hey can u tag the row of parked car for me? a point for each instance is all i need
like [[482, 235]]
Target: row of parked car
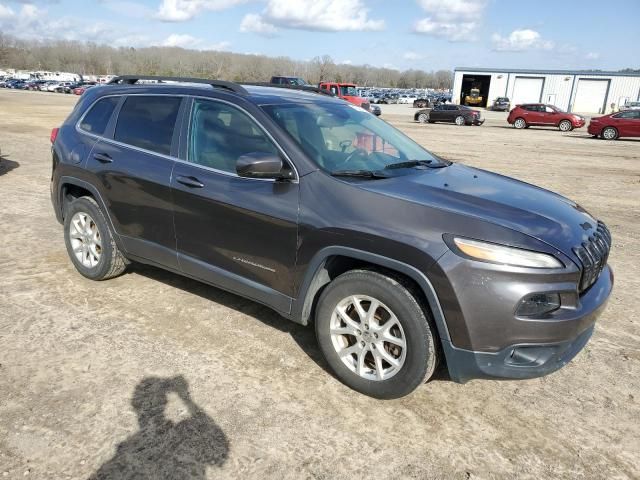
[[625, 123], [77, 88]]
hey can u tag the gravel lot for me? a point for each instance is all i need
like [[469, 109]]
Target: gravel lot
[[154, 374]]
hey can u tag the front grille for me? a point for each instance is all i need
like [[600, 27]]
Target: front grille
[[593, 254]]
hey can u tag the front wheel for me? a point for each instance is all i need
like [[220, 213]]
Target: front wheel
[[459, 120], [423, 118], [375, 335], [609, 133], [565, 126]]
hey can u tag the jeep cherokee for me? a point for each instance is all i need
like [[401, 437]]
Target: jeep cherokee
[[328, 215]]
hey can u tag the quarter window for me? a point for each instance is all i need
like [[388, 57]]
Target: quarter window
[[148, 122], [220, 134], [97, 119]]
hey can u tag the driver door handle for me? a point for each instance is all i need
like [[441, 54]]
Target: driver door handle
[[191, 182], [103, 157]]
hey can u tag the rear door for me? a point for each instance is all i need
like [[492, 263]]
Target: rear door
[[533, 114], [133, 165], [237, 233]]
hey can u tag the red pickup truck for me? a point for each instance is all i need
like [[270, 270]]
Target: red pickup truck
[[346, 91]]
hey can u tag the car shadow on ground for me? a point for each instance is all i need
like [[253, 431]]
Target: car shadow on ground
[[162, 447], [303, 336], [7, 165]]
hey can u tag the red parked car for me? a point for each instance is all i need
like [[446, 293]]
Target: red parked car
[[80, 90], [616, 125], [523, 116]]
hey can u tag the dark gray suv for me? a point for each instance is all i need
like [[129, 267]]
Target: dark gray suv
[[328, 215]]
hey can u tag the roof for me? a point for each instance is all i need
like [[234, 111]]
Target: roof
[[257, 94], [545, 72]]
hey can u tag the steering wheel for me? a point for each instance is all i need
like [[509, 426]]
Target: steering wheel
[[358, 152]]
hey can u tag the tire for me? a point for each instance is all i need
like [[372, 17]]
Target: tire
[[423, 118], [459, 120], [520, 123], [85, 223], [609, 133], [565, 126], [415, 362]]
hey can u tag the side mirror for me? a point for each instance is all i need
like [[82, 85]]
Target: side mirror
[[262, 165]]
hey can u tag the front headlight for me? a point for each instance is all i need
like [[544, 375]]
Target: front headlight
[[503, 255]]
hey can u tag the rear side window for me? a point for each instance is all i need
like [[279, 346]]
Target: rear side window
[[97, 118], [148, 122]]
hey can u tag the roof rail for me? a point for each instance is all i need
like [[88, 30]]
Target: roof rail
[[304, 88], [132, 79]]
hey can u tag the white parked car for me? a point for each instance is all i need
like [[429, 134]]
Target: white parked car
[[631, 106], [407, 99]]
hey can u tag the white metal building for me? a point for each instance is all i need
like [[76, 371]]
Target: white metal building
[[584, 92]]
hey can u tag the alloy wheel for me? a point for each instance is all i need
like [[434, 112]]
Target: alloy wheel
[[85, 239], [368, 337]]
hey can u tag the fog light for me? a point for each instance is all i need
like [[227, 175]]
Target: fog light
[[538, 304]]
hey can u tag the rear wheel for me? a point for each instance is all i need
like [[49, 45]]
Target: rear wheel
[[89, 242], [609, 133], [459, 120], [423, 118], [565, 126], [520, 123], [375, 335]]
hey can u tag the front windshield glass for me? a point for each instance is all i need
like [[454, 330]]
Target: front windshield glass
[[348, 91], [345, 137]]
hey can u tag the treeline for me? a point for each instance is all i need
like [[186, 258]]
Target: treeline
[[91, 58]]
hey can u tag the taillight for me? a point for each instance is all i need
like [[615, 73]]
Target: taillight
[[54, 134]]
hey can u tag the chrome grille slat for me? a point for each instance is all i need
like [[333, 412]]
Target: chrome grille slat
[[593, 255]]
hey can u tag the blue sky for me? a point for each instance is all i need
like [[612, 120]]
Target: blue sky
[[426, 34]]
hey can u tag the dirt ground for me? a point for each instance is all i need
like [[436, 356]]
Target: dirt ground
[[154, 374]]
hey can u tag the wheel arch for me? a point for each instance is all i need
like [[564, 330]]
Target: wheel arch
[[70, 188], [330, 262]]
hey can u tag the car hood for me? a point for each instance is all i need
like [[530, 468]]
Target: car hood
[[510, 203]]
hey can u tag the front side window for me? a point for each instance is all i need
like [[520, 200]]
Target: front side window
[[148, 122], [221, 133], [345, 137], [97, 119]]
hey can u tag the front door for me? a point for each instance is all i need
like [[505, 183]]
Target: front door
[[237, 233]]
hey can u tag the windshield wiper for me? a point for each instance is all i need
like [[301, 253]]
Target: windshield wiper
[[409, 164], [359, 173]]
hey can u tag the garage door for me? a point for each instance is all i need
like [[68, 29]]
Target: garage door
[[527, 90], [590, 96]]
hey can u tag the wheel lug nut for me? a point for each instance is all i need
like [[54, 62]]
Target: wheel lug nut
[[358, 332], [373, 346], [375, 335], [362, 344], [366, 327]]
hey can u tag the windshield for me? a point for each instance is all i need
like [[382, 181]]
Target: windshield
[[348, 90], [345, 137]]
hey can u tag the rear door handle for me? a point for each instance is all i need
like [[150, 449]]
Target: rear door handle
[[103, 157], [191, 182]]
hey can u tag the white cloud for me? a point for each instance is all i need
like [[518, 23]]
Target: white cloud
[[254, 23], [189, 41], [183, 10], [412, 56], [181, 40], [346, 62], [455, 20], [6, 13], [592, 56], [520, 40], [315, 15]]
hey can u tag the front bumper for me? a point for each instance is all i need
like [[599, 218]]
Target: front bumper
[[579, 124], [486, 339]]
